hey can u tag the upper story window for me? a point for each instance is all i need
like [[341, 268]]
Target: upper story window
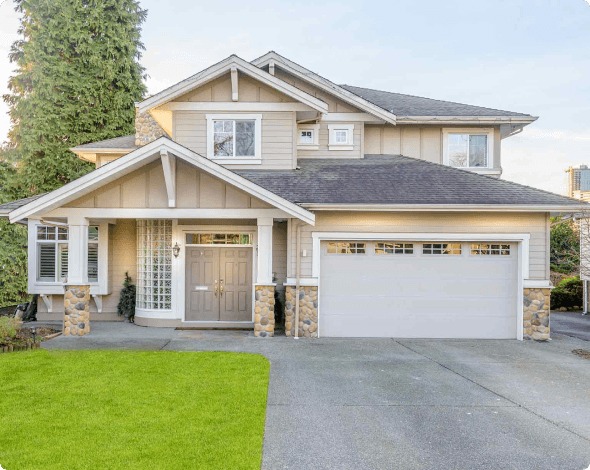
[[468, 148], [341, 136], [309, 138], [234, 138], [52, 254]]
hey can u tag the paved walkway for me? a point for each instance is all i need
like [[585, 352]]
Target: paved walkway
[[403, 404], [571, 324]]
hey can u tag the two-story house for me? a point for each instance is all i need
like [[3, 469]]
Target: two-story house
[[371, 213]]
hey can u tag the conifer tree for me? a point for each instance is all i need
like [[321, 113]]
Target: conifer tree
[[76, 79]]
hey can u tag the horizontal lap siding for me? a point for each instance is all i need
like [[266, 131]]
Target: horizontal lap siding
[[190, 130], [534, 224]]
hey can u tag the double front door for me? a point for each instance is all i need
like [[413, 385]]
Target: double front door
[[218, 284]]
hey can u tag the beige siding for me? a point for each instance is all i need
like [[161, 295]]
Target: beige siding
[[425, 143], [146, 188], [534, 224], [190, 130], [325, 152]]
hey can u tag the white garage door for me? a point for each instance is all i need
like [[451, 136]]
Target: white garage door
[[418, 289]]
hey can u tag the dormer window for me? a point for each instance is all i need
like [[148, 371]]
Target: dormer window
[[308, 136], [468, 148], [234, 138], [341, 136]]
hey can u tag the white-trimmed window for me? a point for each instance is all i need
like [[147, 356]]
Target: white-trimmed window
[[490, 249], [393, 248], [341, 136], [52, 253], [308, 136], [234, 138], [154, 264], [441, 248], [348, 248], [468, 148], [218, 239]]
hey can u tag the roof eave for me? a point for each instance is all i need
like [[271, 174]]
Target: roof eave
[[489, 120], [448, 207]]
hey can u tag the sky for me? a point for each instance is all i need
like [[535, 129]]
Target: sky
[[525, 56]]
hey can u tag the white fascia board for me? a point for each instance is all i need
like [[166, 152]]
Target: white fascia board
[[443, 207], [231, 106], [223, 67], [325, 84], [140, 157], [479, 120]]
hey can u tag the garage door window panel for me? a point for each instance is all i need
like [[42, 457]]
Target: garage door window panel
[[347, 248], [441, 248], [490, 249], [392, 248]]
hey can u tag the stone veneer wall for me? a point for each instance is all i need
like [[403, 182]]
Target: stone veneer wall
[[308, 311], [77, 311], [536, 314], [264, 311], [147, 128]]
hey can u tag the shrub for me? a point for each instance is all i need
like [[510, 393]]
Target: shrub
[[565, 246], [8, 327], [126, 306], [569, 292]]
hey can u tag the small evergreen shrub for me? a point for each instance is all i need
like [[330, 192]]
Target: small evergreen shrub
[[126, 306], [568, 293]]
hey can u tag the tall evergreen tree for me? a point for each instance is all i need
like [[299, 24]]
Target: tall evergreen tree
[[77, 77]]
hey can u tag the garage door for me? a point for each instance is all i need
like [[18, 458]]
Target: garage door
[[418, 289]]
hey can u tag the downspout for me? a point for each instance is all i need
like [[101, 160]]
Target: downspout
[[297, 279]]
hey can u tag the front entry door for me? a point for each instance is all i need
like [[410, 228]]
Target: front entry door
[[218, 284]]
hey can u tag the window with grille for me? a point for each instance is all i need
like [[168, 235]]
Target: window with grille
[[218, 239], [490, 249], [389, 248], [441, 248], [154, 264], [346, 247], [52, 254]]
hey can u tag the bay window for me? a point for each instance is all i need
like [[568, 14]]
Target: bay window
[[52, 253]]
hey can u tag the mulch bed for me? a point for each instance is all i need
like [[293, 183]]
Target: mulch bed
[[582, 353], [24, 338]]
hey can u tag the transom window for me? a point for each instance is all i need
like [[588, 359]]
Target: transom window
[[394, 248], [441, 248], [234, 138], [218, 239], [52, 254], [346, 247], [306, 136], [468, 150], [490, 249]]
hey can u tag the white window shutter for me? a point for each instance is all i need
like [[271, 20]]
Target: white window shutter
[[93, 262], [46, 260], [63, 262]]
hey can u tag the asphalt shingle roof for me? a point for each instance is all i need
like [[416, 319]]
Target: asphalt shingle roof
[[394, 179], [10, 206], [408, 105], [123, 142]]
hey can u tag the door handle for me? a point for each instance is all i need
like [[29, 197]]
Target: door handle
[[221, 288], [215, 287]]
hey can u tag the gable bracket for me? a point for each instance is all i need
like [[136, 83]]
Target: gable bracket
[[169, 166], [234, 84]]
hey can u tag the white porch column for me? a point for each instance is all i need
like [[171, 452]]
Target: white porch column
[[77, 251], [264, 251]]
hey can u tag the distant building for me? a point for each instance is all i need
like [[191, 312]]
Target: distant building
[[578, 182]]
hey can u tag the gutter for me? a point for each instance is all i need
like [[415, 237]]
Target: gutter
[[466, 119], [446, 207]]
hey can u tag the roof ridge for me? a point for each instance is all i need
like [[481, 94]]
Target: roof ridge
[[426, 98]]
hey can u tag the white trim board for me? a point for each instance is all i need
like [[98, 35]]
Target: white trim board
[[522, 240], [222, 68], [220, 106], [137, 159]]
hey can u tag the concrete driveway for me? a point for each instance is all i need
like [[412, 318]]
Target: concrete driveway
[[571, 324], [404, 404]]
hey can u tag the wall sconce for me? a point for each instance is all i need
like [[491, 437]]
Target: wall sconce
[[176, 250]]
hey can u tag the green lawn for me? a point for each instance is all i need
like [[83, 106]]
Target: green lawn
[[131, 410]]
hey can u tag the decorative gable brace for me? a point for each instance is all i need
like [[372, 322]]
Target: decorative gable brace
[[169, 167]]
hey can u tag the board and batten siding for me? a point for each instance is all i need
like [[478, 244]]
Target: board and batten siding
[[278, 137], [424, 143], [146, 188], [535, 224]]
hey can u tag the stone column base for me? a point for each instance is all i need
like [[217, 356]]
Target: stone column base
[[308, 311], [536, 311], [77, 311], [264, 311]]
